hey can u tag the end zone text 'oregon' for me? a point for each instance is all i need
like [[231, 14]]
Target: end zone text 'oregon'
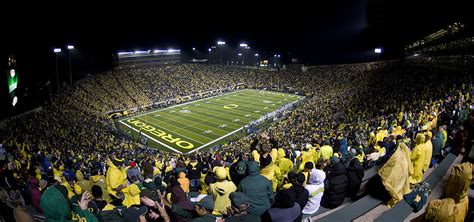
[[161, 134]]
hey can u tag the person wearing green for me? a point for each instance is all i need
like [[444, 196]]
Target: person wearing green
[[57, 207]]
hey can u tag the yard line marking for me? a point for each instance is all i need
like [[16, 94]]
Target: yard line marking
[[175, 117], [205, 145]]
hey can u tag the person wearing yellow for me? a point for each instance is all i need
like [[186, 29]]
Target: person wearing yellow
[[99, 180], [457, 188], [395, 173], [132, 196], [283, 163], [442, 210], [81, 183], [428, 151], [417, 159], [326, 151], [116, 178], [220, 190], [305, 156]]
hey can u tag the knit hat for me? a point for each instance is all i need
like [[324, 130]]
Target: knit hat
[[132, 163]]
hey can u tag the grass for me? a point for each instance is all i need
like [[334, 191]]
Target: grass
[[199, 124]]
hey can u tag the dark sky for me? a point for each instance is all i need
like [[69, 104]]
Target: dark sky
[[316, 33]]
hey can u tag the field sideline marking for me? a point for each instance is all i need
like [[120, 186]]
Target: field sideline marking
[[141, 133], [203, 146]]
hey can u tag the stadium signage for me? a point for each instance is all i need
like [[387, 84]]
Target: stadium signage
[[161, 134]]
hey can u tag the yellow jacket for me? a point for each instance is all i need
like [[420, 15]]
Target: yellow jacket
[[395, 174], [428, 152], [114, 177], [417, 159], [99, 180], [220, 192]]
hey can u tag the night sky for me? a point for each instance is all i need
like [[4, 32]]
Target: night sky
[[339, 32]]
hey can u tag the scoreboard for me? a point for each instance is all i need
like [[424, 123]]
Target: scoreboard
[[12, 80]]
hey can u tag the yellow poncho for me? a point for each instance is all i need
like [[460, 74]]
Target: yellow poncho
[[395, 174]]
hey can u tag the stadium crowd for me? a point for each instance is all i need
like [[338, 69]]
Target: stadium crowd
[[69, 163]]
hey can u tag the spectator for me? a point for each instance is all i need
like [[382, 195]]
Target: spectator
[[315, 188], [220, 190], [355, 173], [257, 188], [238, 211], [57, 207], [285, 208], [336, 187]]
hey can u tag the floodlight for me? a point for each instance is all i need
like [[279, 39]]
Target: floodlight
[[240, 54], [378, 50], [243, 45], [57, 50], [209, 49], [220, 43], [256, 54], [15, 100], [70, 47]]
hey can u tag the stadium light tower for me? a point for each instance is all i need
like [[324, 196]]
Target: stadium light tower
[[220, 44], [244, 46], [209, 57], [70, 48], [56, 52], [378, 51]]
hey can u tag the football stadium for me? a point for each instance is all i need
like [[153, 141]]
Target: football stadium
[[358, 110], [198, 124]]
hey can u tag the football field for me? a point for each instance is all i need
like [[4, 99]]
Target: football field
[[191, 126]]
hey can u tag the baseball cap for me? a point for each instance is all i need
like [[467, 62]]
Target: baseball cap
[[133, 213], [238, 198], [149, 194], [205, 201], [241, 167]]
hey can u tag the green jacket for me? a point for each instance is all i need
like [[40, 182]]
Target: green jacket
[[56, 208], [257, 188]]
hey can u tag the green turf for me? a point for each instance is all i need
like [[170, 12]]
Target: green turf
[[199, 124]]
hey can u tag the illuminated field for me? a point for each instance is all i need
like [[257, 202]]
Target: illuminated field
[[199, 124]]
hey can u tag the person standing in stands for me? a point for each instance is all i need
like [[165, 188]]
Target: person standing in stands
[[194, 173], [336, 187], [257, 188], [221, 189], [134, 171], [417, 159]]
